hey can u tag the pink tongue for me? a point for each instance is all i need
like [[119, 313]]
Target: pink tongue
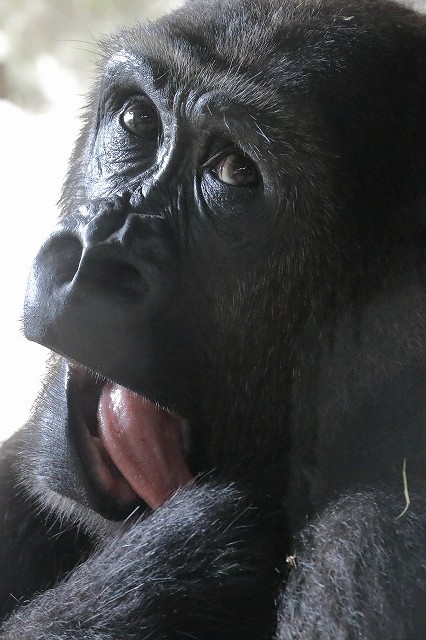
[[144, 442]]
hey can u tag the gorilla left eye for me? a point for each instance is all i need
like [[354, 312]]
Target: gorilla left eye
[[140, 118], [237, 170]]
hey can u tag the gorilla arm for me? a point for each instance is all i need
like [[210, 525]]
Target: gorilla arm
[[203, 565], [33, 541]]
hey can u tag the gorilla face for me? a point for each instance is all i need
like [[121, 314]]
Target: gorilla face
[[211, 228]]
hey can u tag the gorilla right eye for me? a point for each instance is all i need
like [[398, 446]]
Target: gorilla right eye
[[237, 170], [140, 118]]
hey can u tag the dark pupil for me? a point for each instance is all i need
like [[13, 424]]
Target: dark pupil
[[139, 119], [243, 167], [242, 170]]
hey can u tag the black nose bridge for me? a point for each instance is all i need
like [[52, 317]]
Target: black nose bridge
[[103, 226], [102, 219], [133, 236], [123, 221]]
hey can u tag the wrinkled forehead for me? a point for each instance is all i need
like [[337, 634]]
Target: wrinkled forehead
[[241, 72], [173, 68], [254, 57]]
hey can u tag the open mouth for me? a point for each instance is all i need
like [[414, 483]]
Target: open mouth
[[133, 449]]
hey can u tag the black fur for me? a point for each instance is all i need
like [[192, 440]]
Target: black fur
[[284, 319]]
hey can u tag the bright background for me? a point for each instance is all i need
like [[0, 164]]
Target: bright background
[[47, 54]]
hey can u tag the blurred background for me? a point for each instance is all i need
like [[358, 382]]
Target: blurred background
[[48, 53]]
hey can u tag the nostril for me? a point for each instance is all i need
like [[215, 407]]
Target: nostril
[[62, 257], [115, 276]]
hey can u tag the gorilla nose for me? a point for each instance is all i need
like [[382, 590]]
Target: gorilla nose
[[98, 277], [126, 256]]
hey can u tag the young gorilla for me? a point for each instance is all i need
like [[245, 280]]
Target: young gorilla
[[239, 269]]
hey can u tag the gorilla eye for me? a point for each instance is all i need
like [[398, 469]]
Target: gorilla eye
[[140, 118], [237, 170]]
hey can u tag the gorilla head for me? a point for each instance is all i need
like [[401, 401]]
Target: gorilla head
[[240, 249]]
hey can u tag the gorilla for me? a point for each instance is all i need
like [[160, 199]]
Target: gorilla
[[230, 440]]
